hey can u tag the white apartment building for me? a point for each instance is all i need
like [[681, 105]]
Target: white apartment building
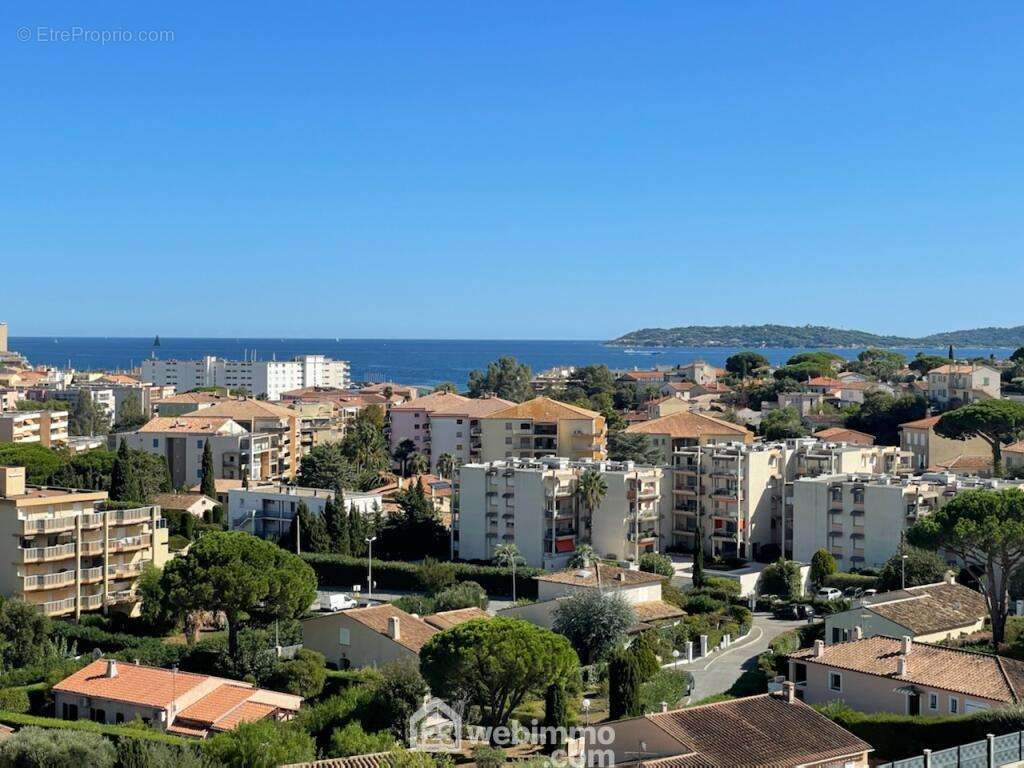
[[46, 428], [741, 494], [861, 518], [963, 383], [102, 396], [268, 510], [534, 504], [257, 377]]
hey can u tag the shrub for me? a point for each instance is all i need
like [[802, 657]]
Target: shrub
[[303, 676], [353, 740], [701, 603], [113, 731], [421, 605], [823, 565], [57, 748], [668, 685], [781, 578], [486, 756], [434, 576], [720, 585], [646, 647], [624, 680], [652, 562], [14, 700], [846, 580], [921, 567], [260, 744], [466, 594]]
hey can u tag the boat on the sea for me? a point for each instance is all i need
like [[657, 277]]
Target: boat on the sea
[[156, 341]]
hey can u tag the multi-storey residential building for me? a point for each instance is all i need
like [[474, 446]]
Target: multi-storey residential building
[[261, 417], [257, 377], [443, 422], [929, 449], [268, 510], [962, 383], [543, 427], [237, 453], [9, 398], [187, 402], [685, 429], [101, 395], [3, 337], [861, 518], [698, 372], [46, 428], [534, 503], [67, 553]]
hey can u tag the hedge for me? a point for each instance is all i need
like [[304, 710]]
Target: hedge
[[344, 571], [844, 580], [115, 732], [895, 737]]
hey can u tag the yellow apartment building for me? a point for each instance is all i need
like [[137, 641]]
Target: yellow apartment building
[[543, 427]]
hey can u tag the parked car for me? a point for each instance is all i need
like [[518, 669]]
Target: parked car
[[786, 611], [828, 593], [806, 611]]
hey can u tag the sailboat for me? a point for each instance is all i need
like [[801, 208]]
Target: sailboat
[[156, 341]]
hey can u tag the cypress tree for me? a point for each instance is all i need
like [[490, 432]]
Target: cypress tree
[[356, 530], [623, 686], [337, 527], [698, 556], [208, 486], [311, 529], [556, 710], [124, 481]]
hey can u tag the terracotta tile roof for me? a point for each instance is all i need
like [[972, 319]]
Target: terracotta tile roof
[[963, 463], [246, 712], [687, 424], [611, 576], [474, 407], [545, 409], [216, 704], [936, 666], [930, 608], [844, 435], [247, 410], [178, 500], [824, 381], [119, 378], [413, 632], [223, 485], [373, 760], [190, 424], [1015, 448], [433, 402], [136, 684], [926, 423], [656, 610], [188, 398], [948, 368], [448, 619], [680, 386], [762, 730], [643, 375], [183, 730]]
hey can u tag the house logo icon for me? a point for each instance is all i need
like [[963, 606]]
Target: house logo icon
[[435, 727]]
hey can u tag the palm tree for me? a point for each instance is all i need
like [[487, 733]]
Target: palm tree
[[402, 453], [590, 490], [417, 464], [508, 555], [583, 556], [446, 465]]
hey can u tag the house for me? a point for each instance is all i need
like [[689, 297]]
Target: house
[[929, 613], [825, 386], [193, 503], [1013, 456], [448, 619], [224, 487], [773, 729], [370, 760], [698, 372], [179, 703], [905, 677], [844, 435], [929, 449], [962, 383], [267, 510], [640, 589]]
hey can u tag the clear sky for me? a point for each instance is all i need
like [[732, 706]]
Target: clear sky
[[510, 170]]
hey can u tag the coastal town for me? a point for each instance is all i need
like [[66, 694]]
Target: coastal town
[[247, 562]]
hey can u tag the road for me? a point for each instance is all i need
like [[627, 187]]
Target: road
[[717, 673]]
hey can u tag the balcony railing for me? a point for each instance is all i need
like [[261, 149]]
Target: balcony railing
[[57, 607], [48, 580], [43, 554]]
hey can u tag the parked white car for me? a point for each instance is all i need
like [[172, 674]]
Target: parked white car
[[828, 593], [333, 601]]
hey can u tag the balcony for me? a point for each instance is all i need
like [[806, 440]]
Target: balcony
[[48, 580], [92, 575], [58, 607], [130, 542], [46, 554], [48, 525], [139, 515], [92, 602], [122, 596]]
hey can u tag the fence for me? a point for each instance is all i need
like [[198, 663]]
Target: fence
[[993, 752]]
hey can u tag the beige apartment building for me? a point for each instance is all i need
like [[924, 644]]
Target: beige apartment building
[[68, 554], [543, 427], [534, 504], [46, 428], [963, 383], [685, 429], [930, 449], [861, 518]]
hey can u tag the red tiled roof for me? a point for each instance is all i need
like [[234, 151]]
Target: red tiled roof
[[136, 684]]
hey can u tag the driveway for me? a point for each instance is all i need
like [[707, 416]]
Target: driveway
[[718, 672]]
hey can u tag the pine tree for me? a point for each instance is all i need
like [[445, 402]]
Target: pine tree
[[311, 529], [378, 519], [208, 486], [125, 484]]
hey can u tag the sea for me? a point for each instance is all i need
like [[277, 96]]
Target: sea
[[419, 362]]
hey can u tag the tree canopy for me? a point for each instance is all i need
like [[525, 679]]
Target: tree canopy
[[994, 421], [783, 423], [922, 566], [633, 446], [594, 622], [881, 415], [746, 363], [494, 663], [985, 529], [506, 378]]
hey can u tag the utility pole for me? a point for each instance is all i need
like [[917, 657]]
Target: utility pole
[[369, 568]]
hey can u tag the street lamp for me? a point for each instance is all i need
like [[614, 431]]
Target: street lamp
[[369, 568], [903, 571], [585, 704]]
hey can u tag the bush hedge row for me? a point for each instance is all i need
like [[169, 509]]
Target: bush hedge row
[[344, 571], [844, 580], [116, 732]]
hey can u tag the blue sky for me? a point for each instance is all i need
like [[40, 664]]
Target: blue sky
[[510, 170]]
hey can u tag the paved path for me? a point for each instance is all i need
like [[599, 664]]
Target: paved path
[[718, 672]]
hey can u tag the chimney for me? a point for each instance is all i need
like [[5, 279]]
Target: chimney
[[858, 633], [394, 629], [621, 576], [111, 668], [950, 577], [908, 644], [819, 648], [12, 481], [901, 666], [789, 692], [664, 706]]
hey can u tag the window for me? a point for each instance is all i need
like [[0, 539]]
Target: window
[[508, 425], [835, 681], [458, 421], [799, 673], [954, 705], [458, 434], [199, 444], [933, 701], [199, 473], [343, 637], [69, 711], [119, 717], [156, 442], [840, 635]]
